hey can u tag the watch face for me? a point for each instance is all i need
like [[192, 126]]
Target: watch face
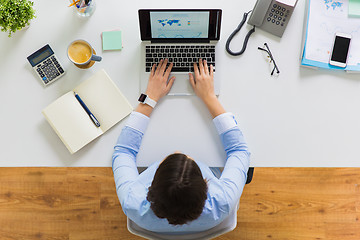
[[142, 98]]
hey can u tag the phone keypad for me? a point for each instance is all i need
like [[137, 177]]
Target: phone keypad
[[278, 15]]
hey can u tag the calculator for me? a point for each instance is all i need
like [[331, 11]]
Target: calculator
[[46, 65]]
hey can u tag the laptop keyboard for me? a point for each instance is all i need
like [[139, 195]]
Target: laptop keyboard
[[183, 56]]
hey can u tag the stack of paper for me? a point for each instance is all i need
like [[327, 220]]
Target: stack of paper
[[354, 8], [111, 40]]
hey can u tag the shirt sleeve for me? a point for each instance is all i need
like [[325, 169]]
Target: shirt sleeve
[[234, 175], [125, 152]]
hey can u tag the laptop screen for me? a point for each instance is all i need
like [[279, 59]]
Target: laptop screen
[[180, 25]]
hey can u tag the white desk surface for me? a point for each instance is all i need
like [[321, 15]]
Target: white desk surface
[[303, 118]]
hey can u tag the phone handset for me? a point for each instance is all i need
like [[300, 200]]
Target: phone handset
[[258, 13]]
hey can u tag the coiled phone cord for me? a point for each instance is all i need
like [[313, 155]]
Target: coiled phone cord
[[235, 32]]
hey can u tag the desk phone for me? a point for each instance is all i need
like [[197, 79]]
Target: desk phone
[[46, 65], [272, 16]]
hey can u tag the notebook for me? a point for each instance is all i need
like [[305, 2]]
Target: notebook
[[182, 36], [72, 123]]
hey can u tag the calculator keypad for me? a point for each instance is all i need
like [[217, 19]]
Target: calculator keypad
[[49, 69], [278, 15]]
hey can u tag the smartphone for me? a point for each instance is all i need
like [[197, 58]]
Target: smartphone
[[340, 50]]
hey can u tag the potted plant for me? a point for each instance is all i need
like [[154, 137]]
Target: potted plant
[[15, 15]]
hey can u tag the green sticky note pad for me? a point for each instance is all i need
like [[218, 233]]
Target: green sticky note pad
[[354, 8], [111, 40]]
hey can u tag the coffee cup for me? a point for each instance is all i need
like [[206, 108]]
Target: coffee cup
[[81, 53]]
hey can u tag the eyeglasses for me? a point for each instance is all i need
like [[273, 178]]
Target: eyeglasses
[[269, 55]]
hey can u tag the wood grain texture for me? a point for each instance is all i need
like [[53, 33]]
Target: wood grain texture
[[81, 203]]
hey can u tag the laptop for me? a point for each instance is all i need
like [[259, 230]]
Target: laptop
[[182, 36]]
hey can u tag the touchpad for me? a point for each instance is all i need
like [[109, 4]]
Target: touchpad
[[181, 85]]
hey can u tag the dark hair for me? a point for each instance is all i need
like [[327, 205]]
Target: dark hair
[[178, 190]]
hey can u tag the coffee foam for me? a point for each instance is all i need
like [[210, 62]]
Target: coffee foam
[[79, 52]]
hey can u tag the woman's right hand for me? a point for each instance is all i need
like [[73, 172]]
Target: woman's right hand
[[203, 86], [203, 83]]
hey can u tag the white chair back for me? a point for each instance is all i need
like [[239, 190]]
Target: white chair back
[[225, 226]]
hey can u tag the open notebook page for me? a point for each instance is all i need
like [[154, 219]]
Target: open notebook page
[[104, 99], [71, 122]]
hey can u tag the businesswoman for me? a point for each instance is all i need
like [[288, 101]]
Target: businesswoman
[[178, 193]]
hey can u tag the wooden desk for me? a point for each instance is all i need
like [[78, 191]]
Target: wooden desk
[[301, 118]]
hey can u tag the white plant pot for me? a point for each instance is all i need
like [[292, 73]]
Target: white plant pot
[[26, 26]]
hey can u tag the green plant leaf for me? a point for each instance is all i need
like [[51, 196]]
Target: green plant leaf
[[15, 15]]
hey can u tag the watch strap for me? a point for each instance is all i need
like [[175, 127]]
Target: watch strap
[[152, 103]]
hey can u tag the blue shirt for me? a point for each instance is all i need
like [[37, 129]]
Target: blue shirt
[[223, 193]]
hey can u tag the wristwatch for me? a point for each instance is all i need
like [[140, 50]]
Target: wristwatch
[[144, 99]]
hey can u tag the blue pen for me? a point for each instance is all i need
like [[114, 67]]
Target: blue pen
[[87, 110]]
